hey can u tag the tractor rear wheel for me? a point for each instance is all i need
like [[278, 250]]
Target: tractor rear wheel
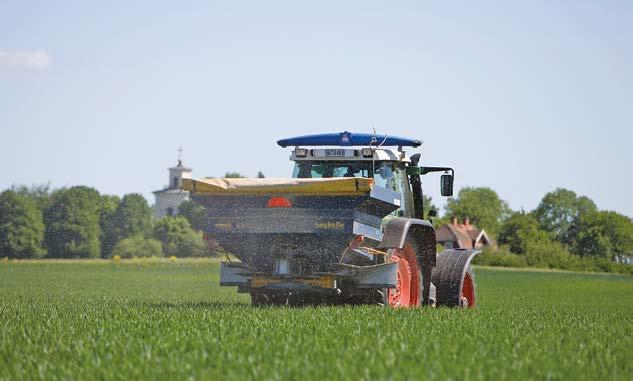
[[407, 292], [259, 300], [467, 295], [268, 299], [454, 279]]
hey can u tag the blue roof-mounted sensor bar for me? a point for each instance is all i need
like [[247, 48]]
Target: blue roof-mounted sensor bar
[[349, 139]]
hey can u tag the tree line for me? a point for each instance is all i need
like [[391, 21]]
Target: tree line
[[79, 222], [564, 231]]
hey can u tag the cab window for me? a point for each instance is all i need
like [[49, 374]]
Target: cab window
[[384, 173]]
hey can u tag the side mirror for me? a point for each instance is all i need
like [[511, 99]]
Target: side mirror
[[432, 213], [446, 185]]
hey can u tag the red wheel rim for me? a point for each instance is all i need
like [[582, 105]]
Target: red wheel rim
[[467, 296], [407, 291]]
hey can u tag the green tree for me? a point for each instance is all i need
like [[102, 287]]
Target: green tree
[[72, 223], [108, 206], [195, 213], [233, 175], [558, 212], [132, 217], [482, 205], [427, 204], [39, 193], [194, 246], [548, 253], [178, 238], [21, 226], [604, 234], [138, 246], [520, 230]]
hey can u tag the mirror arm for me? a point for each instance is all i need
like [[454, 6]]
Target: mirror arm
[[425, 170]]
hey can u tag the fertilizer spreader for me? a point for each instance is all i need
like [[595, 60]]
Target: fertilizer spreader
[[347, 228]]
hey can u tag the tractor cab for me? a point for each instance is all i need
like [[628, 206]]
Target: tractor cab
[[368, 156], [380, 164], [386, 167]]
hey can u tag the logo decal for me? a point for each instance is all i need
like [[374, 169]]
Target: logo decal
[[330, 225]]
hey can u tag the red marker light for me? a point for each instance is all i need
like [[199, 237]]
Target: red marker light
[[279, 202]]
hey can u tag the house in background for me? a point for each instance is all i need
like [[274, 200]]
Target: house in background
[[462, 236]]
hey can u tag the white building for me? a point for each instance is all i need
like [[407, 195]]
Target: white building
[[169, 199]]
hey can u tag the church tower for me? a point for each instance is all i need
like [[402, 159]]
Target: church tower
[[176, 174], [169, 199]]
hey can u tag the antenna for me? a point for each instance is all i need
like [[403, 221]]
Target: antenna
[[374, 140]]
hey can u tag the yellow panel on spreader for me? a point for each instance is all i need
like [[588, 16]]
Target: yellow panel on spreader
[[247, 186]]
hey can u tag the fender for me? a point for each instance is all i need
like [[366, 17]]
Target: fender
[[396, 232], [448, 275], [423, 233]]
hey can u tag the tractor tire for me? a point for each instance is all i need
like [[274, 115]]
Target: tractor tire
[[408, 290], [268, 300], [454, 280], [259, 300]]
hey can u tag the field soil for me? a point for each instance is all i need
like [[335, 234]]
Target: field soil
[[161, 319]]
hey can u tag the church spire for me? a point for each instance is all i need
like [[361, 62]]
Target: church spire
[[180, 156]]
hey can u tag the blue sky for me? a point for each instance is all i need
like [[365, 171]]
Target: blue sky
[[522, 97]]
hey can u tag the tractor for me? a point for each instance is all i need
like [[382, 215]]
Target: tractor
[[347, 228]]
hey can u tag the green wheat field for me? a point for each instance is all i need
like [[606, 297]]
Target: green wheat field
[[167, 319]]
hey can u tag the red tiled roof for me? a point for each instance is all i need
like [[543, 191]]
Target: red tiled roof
[[443, 234], [450, 232], [464, 234]]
